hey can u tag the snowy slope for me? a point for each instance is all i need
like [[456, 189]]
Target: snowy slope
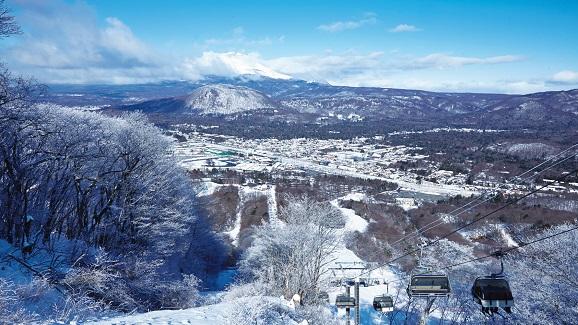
[[230, 312], [206, 315], [222, 313], [226, 99], [354, 222]]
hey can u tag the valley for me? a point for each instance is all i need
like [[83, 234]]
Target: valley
[[288, 163], [399, 172]]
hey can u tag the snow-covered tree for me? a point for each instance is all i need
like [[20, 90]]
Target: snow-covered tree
[[88, 181], [544, 278], [291, 257], [8, 25]]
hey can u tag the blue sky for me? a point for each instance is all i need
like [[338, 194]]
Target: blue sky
[[479, 46]]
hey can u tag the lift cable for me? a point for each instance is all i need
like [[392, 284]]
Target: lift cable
[[411, 252], [439, 222], [507, 250], [564, 151]]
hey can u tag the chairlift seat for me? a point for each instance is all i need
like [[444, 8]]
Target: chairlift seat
[[493, 292], [343, 301], [383, 304], [429, 285]]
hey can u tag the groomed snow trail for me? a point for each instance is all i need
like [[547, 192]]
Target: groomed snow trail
[[272, 205]]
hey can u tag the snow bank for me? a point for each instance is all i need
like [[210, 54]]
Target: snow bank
[[209, 188], [206, 315], [249, 310], [354, 197]]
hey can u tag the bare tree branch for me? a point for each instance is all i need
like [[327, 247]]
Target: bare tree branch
[[8, 25]]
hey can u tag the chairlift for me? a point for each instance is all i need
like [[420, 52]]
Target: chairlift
[[429, 285], [364, 282], [383, 303], [344, 301], [493, 292], [426, 285]]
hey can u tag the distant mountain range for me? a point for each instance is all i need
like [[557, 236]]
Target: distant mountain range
[[255, 95]]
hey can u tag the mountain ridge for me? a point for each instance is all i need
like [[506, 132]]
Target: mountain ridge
[[248, 95]]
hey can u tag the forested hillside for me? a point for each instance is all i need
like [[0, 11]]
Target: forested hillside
[[95, 214]]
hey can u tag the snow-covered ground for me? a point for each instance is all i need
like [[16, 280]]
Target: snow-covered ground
[[325, 157], [344, 256], [353, 222], [272, 204], [206, 315], [219, 313], [391, 282], [244, 193], [208, 188]]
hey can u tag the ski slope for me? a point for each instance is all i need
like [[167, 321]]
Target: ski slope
[[206, 315]]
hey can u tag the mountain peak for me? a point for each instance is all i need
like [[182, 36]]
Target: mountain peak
[[226, 99], [239, 64]]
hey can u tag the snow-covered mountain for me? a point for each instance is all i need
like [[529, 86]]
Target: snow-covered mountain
[[226, 99], [237, 64], [308, 100]]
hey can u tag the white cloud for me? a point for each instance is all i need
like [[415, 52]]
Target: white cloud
[[369, 78], [349, 60], [330, 65], [64, 43], [58, 35], [565, 77], [402, 28], [228, 64], [441, 60], [238, 38], [339, 26], [117, 37], [379, 69]]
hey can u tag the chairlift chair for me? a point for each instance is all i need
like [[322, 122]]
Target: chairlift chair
[[343, 301], [493, 292], [429, 285], [383, 303]]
